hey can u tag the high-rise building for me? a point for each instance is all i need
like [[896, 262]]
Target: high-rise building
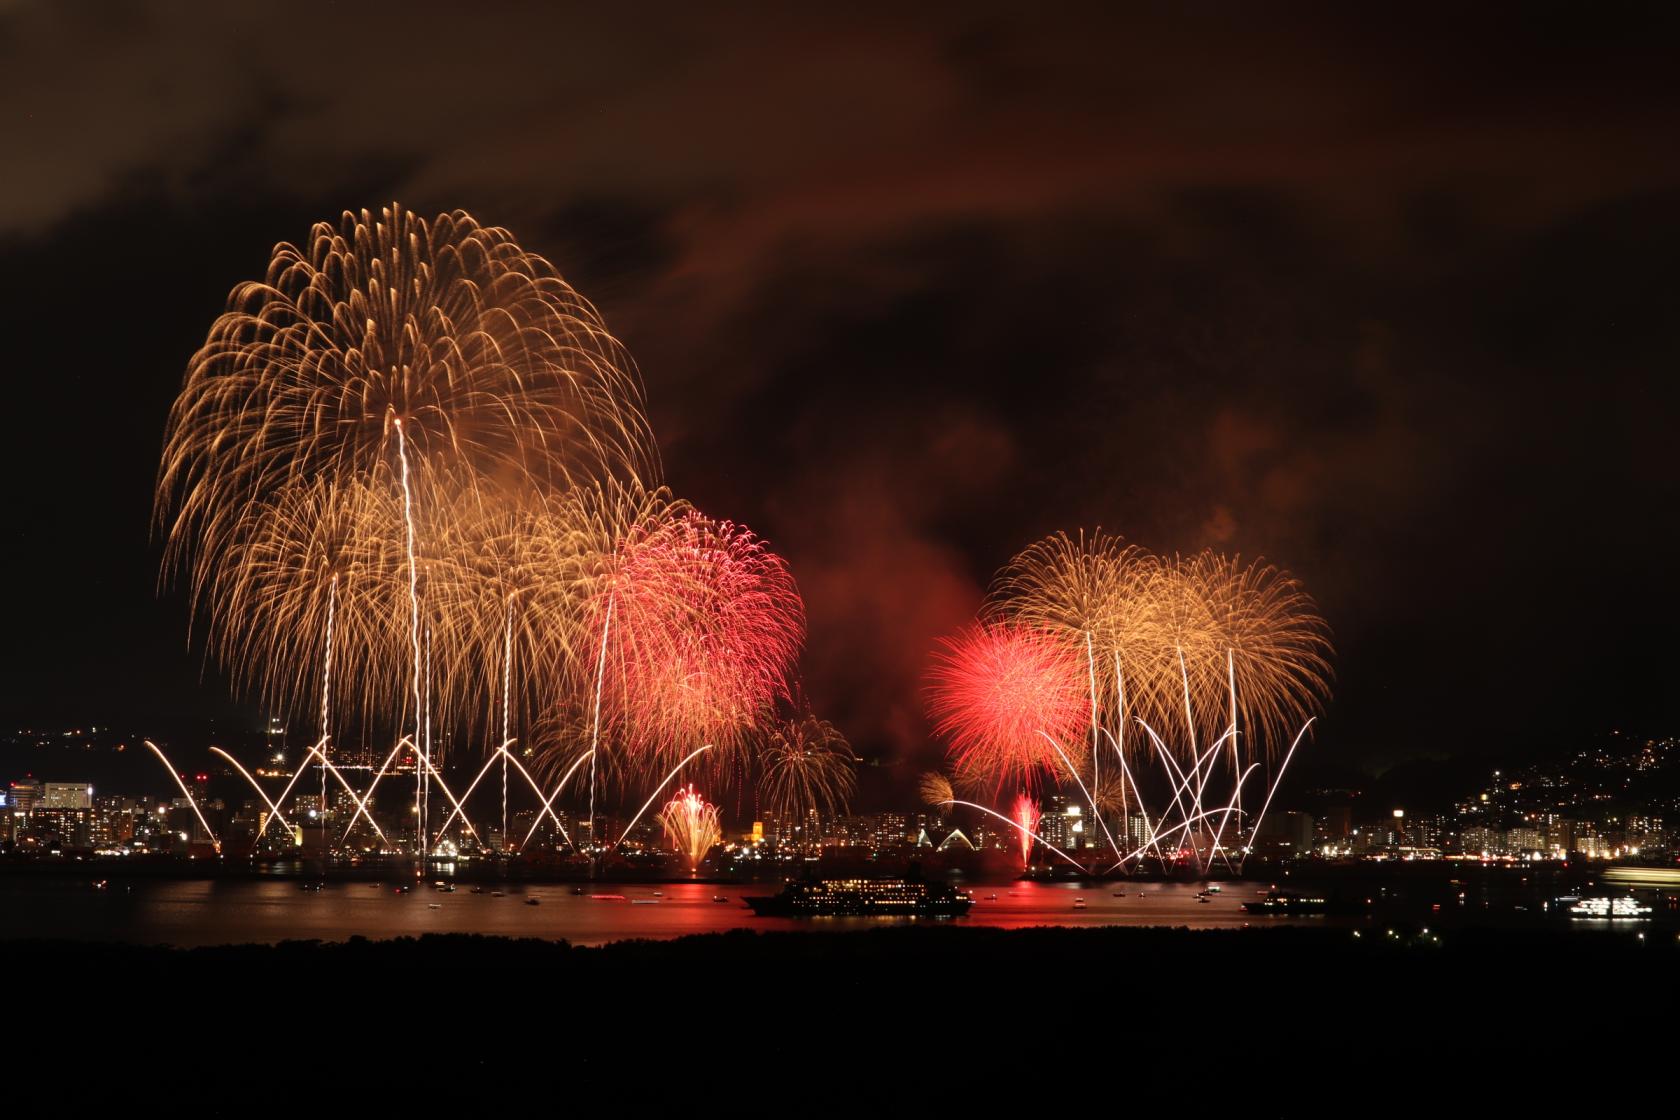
[[24, 795], [67, 795]]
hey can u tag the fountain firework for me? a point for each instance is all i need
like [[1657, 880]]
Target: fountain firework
[[691, 825], [1026, 817]]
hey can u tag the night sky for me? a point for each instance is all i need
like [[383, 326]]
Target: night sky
[[1390, 302]]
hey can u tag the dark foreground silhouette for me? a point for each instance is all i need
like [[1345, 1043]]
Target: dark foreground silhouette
[[972, 1011]]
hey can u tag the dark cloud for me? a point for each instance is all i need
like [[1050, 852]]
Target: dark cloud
[[1384, 299]]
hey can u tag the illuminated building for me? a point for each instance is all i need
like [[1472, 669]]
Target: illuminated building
[[24, 795], [71, 829], [67, 795]]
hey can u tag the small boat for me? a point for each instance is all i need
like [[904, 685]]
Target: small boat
[[434, 906], [607, 897], [310, 886], [720, 898], [498, 894], [991, 898], [644, 902], [1119, 894], [403, 889], [533, 902], [1079, 904], [1213, 888], [578, 890], [478, 890]]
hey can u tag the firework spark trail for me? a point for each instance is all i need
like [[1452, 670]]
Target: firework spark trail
[[1255, 831], [548, 802], [696, 753], [413, 636], [1138, 853], [426, 754], [1190, 728], [1236, 761], [1073, 772], [1166, 759], [316, 753], [1188, 818], [467, 796], [433, 775], [595, 730], [326, 694], [363, 802], [287, 792], [1126, 776], [217, 844], [1014, 825], [273, 807], [507, 683], [1235, 806], [1186, 776], [1096, 738]]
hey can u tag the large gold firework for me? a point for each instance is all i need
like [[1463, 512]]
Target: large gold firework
[[807, 767], [499, 375], [1181, 644], [436, 364]]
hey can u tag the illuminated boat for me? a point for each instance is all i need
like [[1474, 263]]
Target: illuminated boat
[[1276, 903], [1625, 908], [821, 898]]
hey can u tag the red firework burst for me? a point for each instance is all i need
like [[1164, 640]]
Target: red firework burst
[[1004, 697], [705, 626]]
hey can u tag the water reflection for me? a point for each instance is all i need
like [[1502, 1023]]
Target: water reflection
[[211, 912]]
